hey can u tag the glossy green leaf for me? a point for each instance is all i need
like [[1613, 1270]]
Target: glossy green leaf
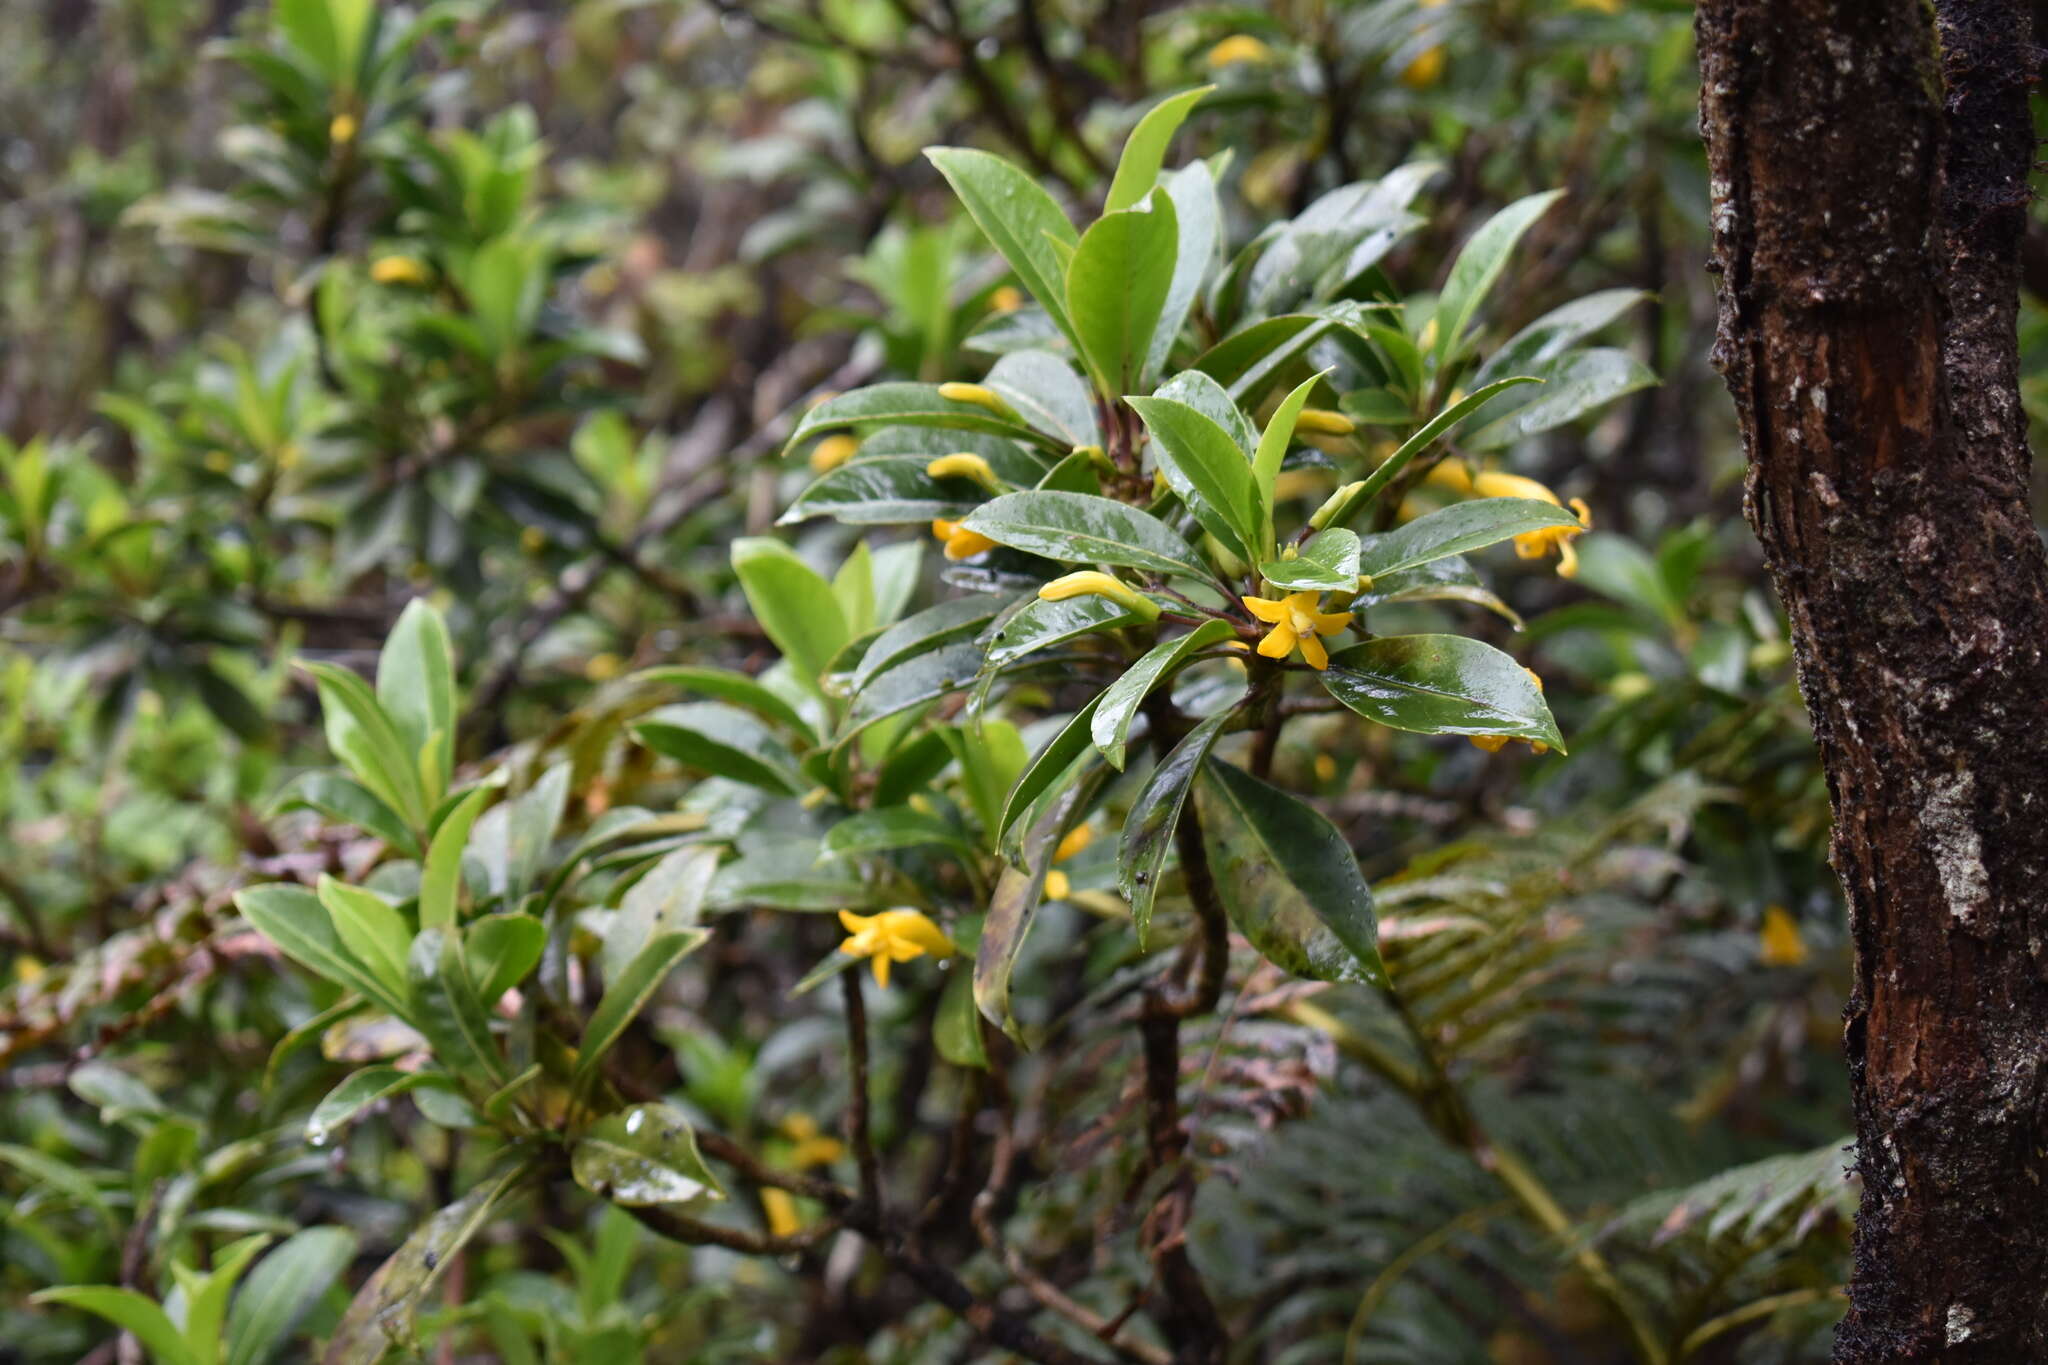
[[1050, 764], [1196, 209], [956, 1028], [1479, 265], [1576, 384], [363, 737], [724, 741], [1155, 813], [952, 620], [1244, 357], [357, 1092], [1137, 170], [450, 1010], [1544, 340], [1424, 437], [1039, 624], [441, 879], [206, 1293], [1208, 469], [669, 895], [1450, 579], [626, 996], [370, 928], [1214, 402], [734, 689], [918, 681], [1287, 878], [350, 802], [1045, 391], [294, 919], [1441, 685], [854, 586], [880, 831], [131, 1312], [1453, 530], [283, 1289], [384, 1308], [793, 603], [1116, 289], [1327, 563], [1111, 726], [992, 757], [502, 949], [1020, 220], [643, 1156], [1077, 529], [1019, 891], [885, 491], [416, 688]]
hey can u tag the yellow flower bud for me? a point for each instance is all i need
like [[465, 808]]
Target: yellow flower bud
[[1095, 583], [1078, 838], [1006, 299], [398, 270], [1426, 70], [1779, 943], [1324, 422], [960, 542], [965, 465], [1426, 339], [1239, 47], [341, 129], [980, 396], [602, 667], [1057, 887], [832, 452]]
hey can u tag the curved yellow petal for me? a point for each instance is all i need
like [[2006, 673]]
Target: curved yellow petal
[[1312, 650], [1279, 641], [1266, 609]]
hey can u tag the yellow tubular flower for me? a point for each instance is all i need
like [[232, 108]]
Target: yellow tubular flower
[[812, 1147], [399, 270], [1452, 474], [1297, 623], [832, 452], [1095, 583], [1493, 744], [341, 129], [978, 395], [1778, 942], [1007, 298], [1322, 421], [892, 936], [1078, 838], [1057, 887], [965, 466], [779, 1206], [1535, 544], [1239, 47], [960, 542], [1425, 71]]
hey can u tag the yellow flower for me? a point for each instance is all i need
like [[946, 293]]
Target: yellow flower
[[832, 452], [398, 270], [965, 465], [1057, 887], [603, 667], [1326, 768], [1239, 47], [341, 129], [1535, 544], [1324, 422], [1604, 6], [1095, 583], [1007, 298], [812, 1147], [1078, 838], [1778, 942], [1452, 474], [960, 542], [780, 1208], [1426, 70], [893, 936], [1297, 623]]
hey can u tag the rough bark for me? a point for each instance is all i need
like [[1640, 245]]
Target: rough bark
[[1868, 189]]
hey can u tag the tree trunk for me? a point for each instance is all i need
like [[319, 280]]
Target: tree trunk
[[1869, 189]]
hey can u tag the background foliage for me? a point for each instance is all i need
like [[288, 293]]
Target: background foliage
[[512, 310]]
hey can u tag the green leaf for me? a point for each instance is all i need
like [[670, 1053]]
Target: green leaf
[[1046, 392], [1209, 471], [363, 737], [416, 688], [502, 949], [735, 689], [1480, 264], [1137, 170], [348, 801], [879, 831], [1149, 829], [1077, 529], [294, 919], [1111, 726], [1116, 289], [1453, 530], [643, 1156], [441, 880], [1039, 624], [131, 1312], [1450, 579], [1287, 879], [531, 820], [1273, 443], [918, 681], [1193, 191], [956, 1028], [1547, 338], [357, 1092], [950, 621], [854, 586], [206, 1294], [1214, 402], [1020, 220], [723, 741], [54, 1177], [884, 491], [1424, 437], [449, 1010], [372, 931], [1441, 685], [1245, 357], [992, 756], [1327, 563], [283, 1289], [793, 603], [1050, 765], [383, 1309], [1575, 385], [1017, 896], [625, 997], [668, 895]]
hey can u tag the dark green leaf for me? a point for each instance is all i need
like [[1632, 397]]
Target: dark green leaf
[[1077, 529], [1046, 392], [1441, 685], [723, 741], [1479, 265], [449, 1010], [1118, 707], [642, 1156], [1209, 471], [1148, 830], [735, 689], [1455, 529], [1576, 384], [1116, 288], [283, 1290], [627, 996]]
